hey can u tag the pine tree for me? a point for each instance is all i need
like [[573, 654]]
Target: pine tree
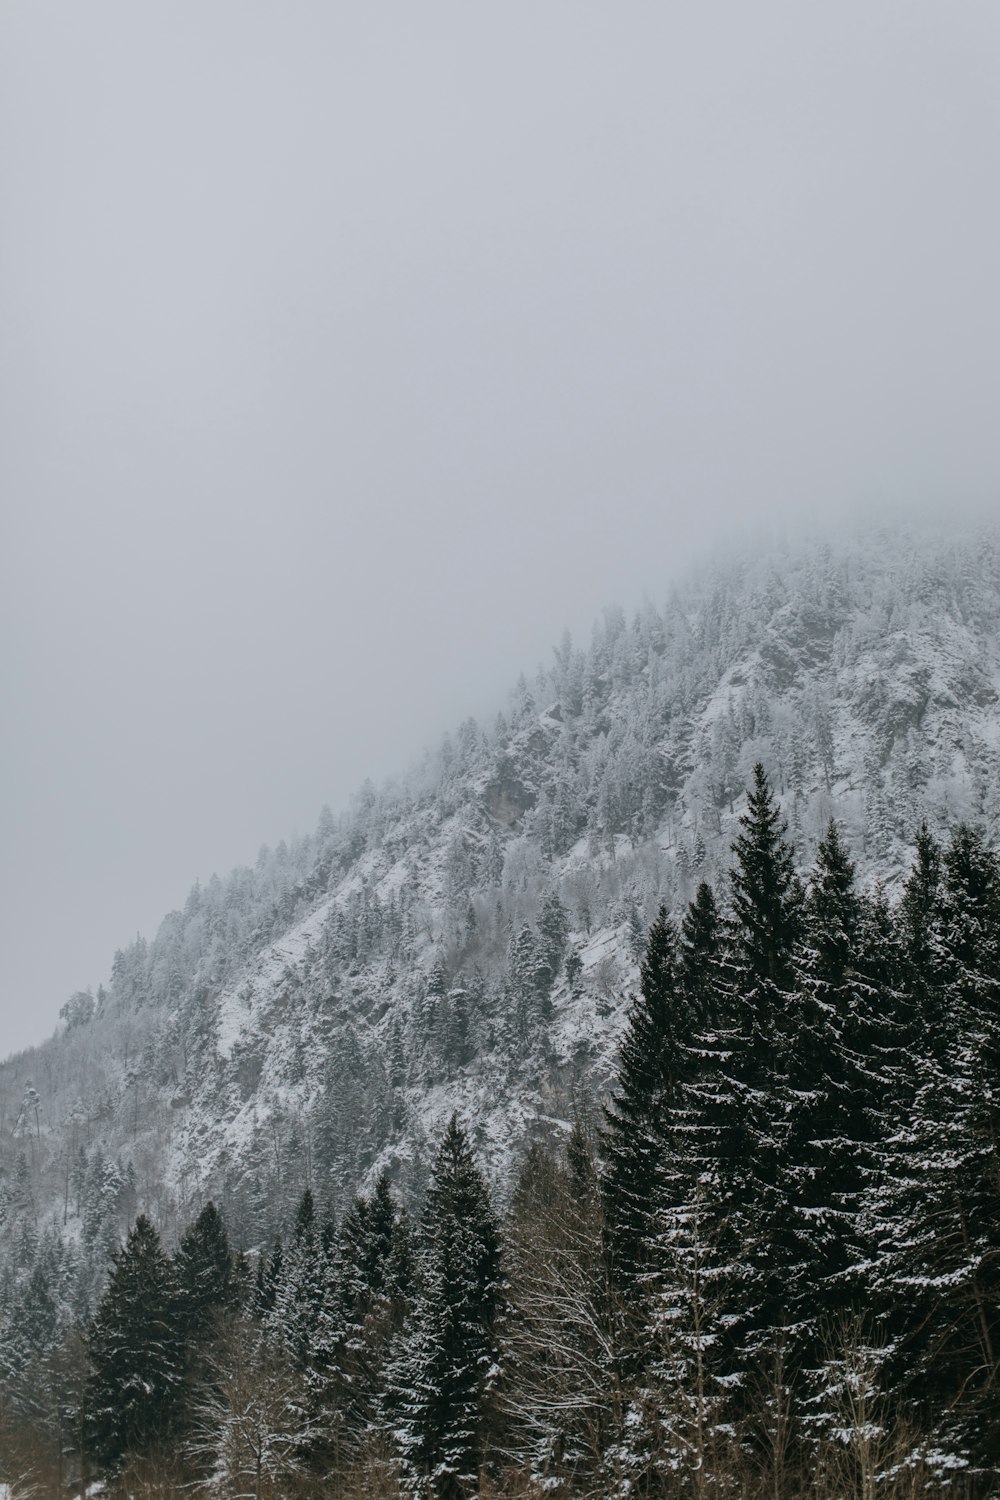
[[887, 1015], [268, 1279], [367, 1314], [936, 1204], [919, 922], [207, 1290], [205, 1272], [530, 977], [742, 1119], [298, 1292], [659, 1027], [699, 954], [822, 1161], [683, 1431], [447, 1376], [135, 1353], [681, 1418], [765, 892], [553, 929]]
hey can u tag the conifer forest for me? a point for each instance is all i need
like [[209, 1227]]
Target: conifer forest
[[606, 1108], [767, 1264], [500, 752]]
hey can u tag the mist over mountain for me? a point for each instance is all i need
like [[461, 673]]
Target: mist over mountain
[[465, 937], [602, 1103]]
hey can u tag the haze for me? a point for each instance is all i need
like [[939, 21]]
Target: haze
[[349, 352]]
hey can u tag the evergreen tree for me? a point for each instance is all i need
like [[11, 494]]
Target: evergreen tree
[[206, 1275], [293, 1318], [742, 1120], [822, 1162], [553, 929], [699, 955], [920, 926], [680, 1418], [368, 1313], [448, 1374], [936, 1202], [530, 977], [683, 1430], [657, 1032], [207, 1289], [135, 1352], [765, 892], [268, 1279]]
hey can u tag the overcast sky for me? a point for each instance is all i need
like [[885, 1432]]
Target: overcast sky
[[348, 351]]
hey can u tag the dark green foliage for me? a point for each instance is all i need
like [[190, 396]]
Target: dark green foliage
[[207, 1285], [765, 892], [136, 1354], [823, 1156], [832, 912], [364, 1283], [920, 925], [553, 928], [445, 1380], [743, 1119], [580, 1163], [305, 1217], [699, 953], [299, 1287], [269, 1273], [783, 1278], [658, 1029], [936, 1203]]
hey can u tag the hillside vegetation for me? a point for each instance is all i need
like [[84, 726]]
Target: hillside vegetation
[[465, 939]]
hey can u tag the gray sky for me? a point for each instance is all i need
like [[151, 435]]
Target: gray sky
[[349, 351]]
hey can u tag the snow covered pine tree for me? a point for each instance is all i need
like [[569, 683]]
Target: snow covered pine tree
[[447, 1374]]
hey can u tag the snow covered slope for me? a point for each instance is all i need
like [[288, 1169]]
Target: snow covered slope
[[467, 938]]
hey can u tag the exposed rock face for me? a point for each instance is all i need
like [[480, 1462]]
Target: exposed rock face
[[507, 799]]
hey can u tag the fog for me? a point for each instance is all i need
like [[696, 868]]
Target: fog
[[349, 352]]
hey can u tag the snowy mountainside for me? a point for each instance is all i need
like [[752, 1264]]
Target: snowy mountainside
[[466, 938]]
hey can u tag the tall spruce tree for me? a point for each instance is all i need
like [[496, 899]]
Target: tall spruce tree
[[699, 953], [207, 1284], [136, 1354], [919, 917], [371, 1286], [766, 896], [744, 1115], [207, 1290], [650, 1060], [822, 1163], [680, 1423], [445, 1380], [661, 1224], [294, 1316], [936, 1202], [886, 1013]]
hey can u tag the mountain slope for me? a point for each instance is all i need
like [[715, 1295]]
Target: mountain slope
[[466, 938]]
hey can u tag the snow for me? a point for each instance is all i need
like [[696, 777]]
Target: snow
[[913, 672], [907, 675], [237, 1007]]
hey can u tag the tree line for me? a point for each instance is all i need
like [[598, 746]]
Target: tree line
[[771, 1267]]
